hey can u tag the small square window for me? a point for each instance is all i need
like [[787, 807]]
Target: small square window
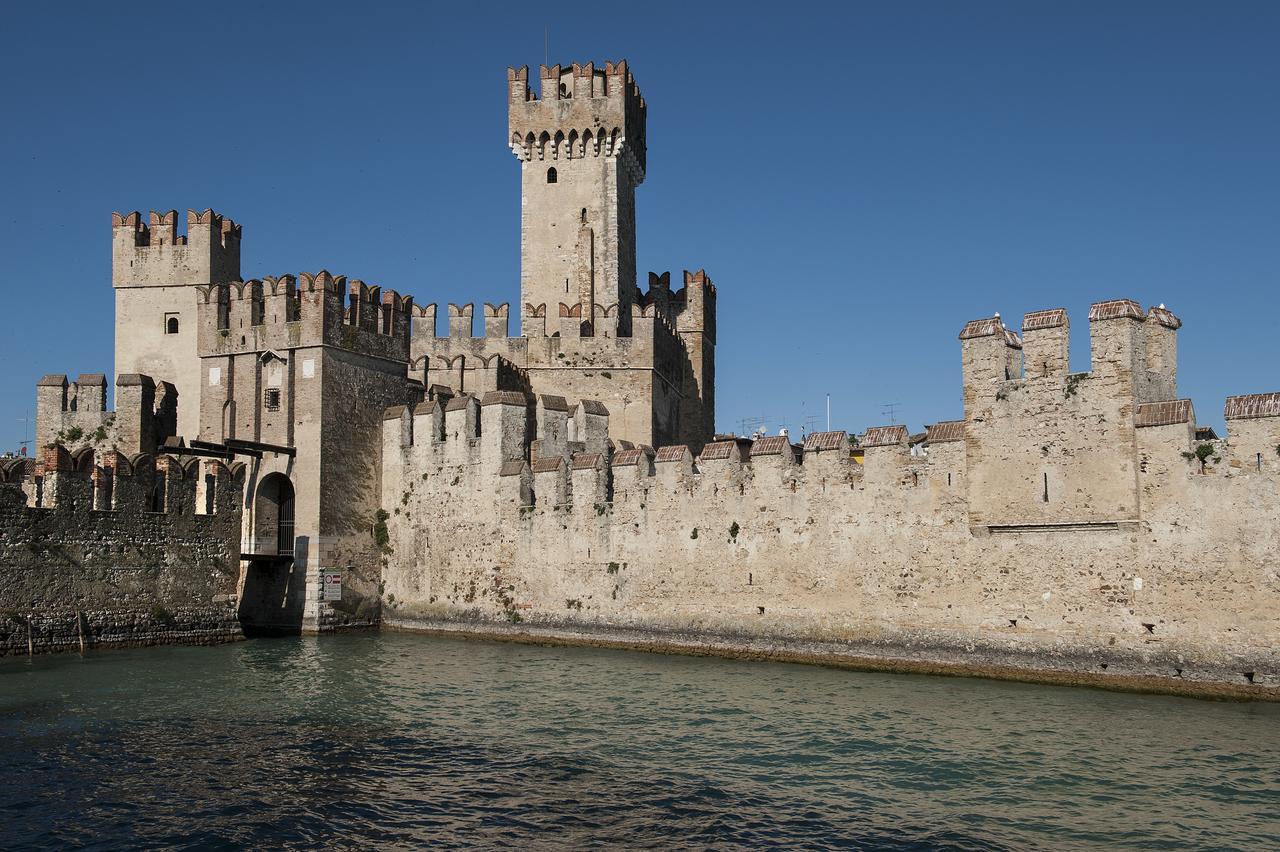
[[273, 399], [171, 323]]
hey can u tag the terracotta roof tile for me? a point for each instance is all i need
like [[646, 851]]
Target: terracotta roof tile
[[553, 403], [547, 464], [497, 397], [457, 403], [947, 430], [1039, 320], [717, 450], [586, 461], [1165, 317], [395, 412], [884, 436], [594, 406], [773, 445], [817, 441], [512, 468], [671, 454], [426, 407], [1163, 413], [988, 327], [1253, 405], [1115, 309], [631, 457]]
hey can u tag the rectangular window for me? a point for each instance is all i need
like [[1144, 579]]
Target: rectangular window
[[273, 399]]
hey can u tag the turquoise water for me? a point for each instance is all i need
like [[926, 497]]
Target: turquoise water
[[407, 741]]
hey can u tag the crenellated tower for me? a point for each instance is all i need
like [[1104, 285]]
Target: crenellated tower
[[581, 145], [154, 271]]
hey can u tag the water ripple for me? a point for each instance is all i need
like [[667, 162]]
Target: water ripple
[[400, 742]]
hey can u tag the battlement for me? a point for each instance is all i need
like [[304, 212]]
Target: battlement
[[1064, 435], [306, 310], [154, 253], [76, 414], [580, 111], [1133, 350], [88, 479]]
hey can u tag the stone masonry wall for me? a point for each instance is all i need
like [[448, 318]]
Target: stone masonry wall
[[74, 577], [1153, 570]]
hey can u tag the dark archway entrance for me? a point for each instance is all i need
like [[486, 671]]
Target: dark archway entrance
[[273, 517], [274, 592]]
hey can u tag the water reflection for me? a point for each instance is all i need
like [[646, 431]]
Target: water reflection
[[402, 740]]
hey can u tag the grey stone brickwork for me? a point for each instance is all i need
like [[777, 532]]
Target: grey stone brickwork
[[92, 566]]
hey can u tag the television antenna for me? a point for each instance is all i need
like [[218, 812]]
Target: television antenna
[[753, 426], [26, 430], [890, 410]]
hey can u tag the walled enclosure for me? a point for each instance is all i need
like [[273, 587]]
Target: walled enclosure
[[1129, 565], [1068, 526]]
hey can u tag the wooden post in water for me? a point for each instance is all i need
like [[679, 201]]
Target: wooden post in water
[[80, 631]]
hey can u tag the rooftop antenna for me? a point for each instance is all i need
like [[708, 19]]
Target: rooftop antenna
[[890, 410], [828, 412], [26, 430]]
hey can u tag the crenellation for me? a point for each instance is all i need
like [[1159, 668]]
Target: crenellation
[[324, 422], [1046, 338], [496, 319], [460, 320], [589, 482], [550, 482]]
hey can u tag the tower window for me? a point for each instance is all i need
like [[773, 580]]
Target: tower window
[[273, 399], [170, 323], [551, 175]]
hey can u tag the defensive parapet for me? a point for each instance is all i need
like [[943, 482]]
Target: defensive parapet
[[76, 413], [1076, 462], [306, 310], [130, 483], [1253, 421], [579, 111], [476, 444], [656, 375], [153, 253], [1064, 518]]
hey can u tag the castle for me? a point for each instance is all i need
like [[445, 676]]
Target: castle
[[567, 484]]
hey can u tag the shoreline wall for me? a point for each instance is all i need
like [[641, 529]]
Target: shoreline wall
[[119, 559], [1064, 526]]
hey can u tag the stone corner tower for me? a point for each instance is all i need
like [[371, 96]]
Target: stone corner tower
[[581, 145], [154, 271]]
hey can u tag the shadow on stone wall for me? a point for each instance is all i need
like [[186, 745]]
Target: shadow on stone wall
[[273, 596]]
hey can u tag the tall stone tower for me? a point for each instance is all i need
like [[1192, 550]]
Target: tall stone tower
[[154, 272], [581, 146]]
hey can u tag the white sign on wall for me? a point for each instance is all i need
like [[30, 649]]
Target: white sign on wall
[[308, 368], [331, 586], [215, 376]]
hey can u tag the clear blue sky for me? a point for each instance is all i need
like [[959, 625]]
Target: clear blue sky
[[858, 178]]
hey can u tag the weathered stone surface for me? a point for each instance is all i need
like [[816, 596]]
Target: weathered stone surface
[[1136, 569], [73, 577]]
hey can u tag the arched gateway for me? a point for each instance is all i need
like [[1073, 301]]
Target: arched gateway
[[273, 517]]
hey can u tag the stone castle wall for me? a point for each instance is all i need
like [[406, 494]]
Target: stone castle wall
[[94, 555], [656, 373], [1138, 565]]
